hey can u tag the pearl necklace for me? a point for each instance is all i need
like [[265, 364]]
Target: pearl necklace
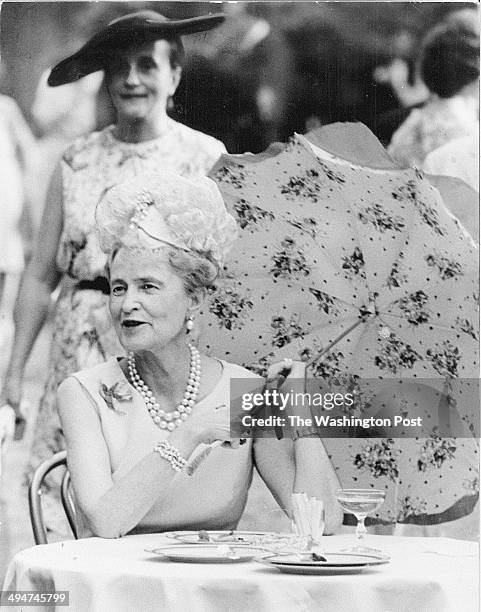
[[169, 420]]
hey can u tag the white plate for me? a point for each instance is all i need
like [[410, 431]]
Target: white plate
[[207, 553], [221, 537], [337, 563]]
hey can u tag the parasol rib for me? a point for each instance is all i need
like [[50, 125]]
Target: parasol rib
[[327, 348]]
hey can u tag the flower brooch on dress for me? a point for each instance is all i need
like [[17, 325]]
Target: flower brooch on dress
[[116, 394]]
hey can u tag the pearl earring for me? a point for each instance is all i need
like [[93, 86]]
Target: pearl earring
[[189, 324]]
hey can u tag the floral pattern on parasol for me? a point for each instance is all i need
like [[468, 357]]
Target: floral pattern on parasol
[[366, 263]]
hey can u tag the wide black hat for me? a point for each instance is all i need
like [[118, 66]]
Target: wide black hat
[[138, 27]]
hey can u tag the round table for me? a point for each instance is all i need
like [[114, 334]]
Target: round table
[[425, 574]]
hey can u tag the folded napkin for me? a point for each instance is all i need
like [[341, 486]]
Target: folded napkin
[[308, 516]]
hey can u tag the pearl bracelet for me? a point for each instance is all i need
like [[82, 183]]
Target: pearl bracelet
[[171, 454]]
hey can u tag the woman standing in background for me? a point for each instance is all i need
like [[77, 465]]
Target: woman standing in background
[[449, 67], [142, 56]]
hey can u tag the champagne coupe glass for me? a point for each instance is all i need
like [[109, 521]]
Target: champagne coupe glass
[[361, 503]]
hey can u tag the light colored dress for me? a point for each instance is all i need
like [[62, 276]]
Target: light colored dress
[[83, 334], [459, 158], [431, 126], [12, 193], [130, 435]]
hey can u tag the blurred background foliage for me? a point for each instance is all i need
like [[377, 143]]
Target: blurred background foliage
[[271, 69]]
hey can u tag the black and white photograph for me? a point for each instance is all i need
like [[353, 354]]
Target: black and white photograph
[[239, 306]]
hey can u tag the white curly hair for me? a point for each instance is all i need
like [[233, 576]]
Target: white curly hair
[[156, 210]]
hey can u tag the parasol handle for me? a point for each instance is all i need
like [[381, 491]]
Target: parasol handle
[[334, 342]]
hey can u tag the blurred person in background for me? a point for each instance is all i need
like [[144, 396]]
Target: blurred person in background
[[142, 56], [17, 153], [449, 67], [398, 74], [235, 69], [459, 158]]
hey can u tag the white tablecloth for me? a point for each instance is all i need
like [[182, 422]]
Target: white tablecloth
[[425, 575]]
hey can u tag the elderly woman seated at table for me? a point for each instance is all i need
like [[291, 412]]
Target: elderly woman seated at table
[[132, 424]]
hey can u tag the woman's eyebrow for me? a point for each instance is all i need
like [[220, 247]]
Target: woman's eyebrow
[[144, 279]]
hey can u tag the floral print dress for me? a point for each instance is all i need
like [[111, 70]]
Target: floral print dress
[[83, 333]]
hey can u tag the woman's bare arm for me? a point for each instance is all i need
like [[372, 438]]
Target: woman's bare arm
[[315, 475], [300, 466], [274, 460]]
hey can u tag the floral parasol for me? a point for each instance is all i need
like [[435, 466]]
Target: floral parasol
[[345, 253]]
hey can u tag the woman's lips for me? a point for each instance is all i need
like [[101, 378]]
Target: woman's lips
[[132, 96], [132, 323]]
